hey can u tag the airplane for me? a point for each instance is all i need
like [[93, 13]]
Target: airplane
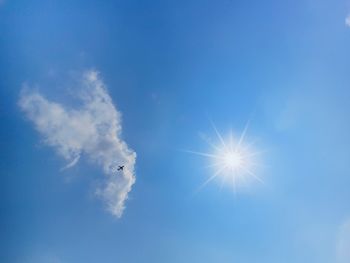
[[120, 168]]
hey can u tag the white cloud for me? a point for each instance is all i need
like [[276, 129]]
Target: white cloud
[[343, 245], [347, 20], [94, 129]]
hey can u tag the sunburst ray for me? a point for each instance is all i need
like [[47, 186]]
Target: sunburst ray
[[233, 159]]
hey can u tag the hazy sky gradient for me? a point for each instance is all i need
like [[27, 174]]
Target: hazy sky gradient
[[168, 68]]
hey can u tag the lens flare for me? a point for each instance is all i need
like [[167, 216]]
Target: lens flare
[[233, 159]]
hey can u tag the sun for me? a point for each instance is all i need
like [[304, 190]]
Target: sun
[[233, 160]]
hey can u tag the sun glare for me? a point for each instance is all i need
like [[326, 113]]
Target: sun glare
[[233, 160]]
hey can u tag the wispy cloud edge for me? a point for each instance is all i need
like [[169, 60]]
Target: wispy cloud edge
[[347, 20], [93, 129]]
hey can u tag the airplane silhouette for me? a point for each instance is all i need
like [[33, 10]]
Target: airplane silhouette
[[120, 168]]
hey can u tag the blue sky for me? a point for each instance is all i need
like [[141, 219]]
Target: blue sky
[[155, 73]]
